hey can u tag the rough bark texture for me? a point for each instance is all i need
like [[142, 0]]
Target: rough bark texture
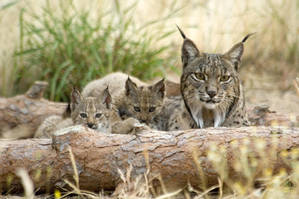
[[99, 156], [27, 111]]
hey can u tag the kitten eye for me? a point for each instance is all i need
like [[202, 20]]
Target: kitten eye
[[136, 108], [224, 78], [98, 115], [199, 76], [83, 115], [152, 109]]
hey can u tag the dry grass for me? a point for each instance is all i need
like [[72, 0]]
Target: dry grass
[[213, 25], [252, 176]]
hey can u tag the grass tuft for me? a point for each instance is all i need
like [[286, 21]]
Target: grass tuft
[[67, 46]]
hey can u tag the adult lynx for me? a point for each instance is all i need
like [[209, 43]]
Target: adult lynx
[[211, 90]]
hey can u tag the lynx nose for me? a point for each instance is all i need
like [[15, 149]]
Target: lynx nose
[[91, 125], [143, 121], [211, 93]]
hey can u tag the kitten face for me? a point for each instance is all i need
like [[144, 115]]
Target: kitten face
[[145, 102], [92, 112]]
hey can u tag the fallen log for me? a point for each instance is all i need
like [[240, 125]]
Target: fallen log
[[178, 157], [24, 113]]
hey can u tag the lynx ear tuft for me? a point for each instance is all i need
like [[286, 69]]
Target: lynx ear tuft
[[76, 98], [159, 88], [107, 99], [247, 36], [236, 52], [182, 33], [189, 49]]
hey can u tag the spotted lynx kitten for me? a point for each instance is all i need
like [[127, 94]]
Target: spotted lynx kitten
[[91, 112], [131, 97], [211, 90]]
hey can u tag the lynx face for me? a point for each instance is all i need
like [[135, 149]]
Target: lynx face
[[92, 112], [211, 79], [145, 102], [210, 83]]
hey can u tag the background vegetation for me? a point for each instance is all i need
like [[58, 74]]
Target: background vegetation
[[70, 42], [67, 46]]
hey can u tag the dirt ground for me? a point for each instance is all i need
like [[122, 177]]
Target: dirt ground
[[276, 91]]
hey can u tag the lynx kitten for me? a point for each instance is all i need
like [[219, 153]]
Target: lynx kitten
[[131, 97], [91, 112]]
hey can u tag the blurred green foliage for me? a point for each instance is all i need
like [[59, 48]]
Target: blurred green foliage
[[66, 47]]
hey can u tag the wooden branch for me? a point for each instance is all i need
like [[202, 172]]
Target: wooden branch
[[173, 155], [26, 112]]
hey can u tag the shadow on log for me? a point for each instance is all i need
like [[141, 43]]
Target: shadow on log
[[175, 156]]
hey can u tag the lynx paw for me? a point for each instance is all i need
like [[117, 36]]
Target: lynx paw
[[136, 126]]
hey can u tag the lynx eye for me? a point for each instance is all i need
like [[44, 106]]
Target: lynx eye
[[83, 115], [136, 108], [98, 115], [152, 109], [199, 76], [224, 78]]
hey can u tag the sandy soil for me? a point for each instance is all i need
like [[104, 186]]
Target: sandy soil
[[273, 90]]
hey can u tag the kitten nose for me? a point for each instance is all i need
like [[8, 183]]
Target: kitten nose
[[211, 93], [143, 121], [91, 125]]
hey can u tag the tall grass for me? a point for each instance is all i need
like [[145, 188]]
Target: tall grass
[[67, 46], [214, 26]]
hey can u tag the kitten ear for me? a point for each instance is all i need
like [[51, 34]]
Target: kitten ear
[[131, 87], [76, 98], [107, 99], [235, 53], [159, 88], [189, 49]]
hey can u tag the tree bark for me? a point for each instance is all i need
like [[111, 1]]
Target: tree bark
[[175, 156], [26, 112]]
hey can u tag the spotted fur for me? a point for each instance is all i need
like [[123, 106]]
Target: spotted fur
[[131, 97], [91, 112], [212, 94]]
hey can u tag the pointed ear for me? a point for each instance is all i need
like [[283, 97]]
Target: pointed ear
[[159, 88], [131, 87], [189, 49], [107, 99], [76, 98], [236, 52]]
